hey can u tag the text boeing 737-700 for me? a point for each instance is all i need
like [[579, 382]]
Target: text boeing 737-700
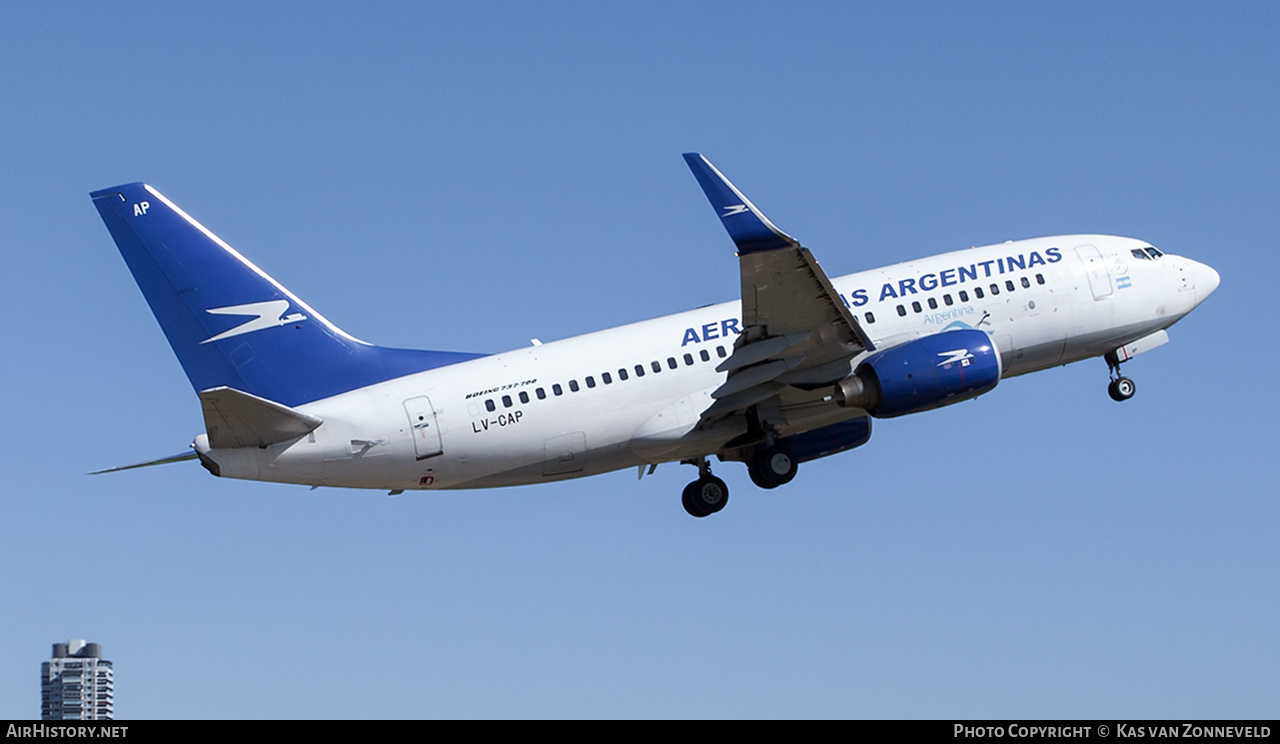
[[793, 372]]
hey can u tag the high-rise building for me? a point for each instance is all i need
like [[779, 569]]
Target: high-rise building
[[77, 684]]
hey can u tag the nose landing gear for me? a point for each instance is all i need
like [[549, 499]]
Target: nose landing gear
[[1121, 388]]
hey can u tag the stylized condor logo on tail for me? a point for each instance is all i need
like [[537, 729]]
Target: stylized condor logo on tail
[[270, 314]]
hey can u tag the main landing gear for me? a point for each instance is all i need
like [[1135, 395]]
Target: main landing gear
[[772, 467], [1121, 388], [707, 495]]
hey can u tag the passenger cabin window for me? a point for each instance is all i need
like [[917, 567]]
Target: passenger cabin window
[[671, 363], [542, 394], [902, 311], [871, 318], [506, 401], [1025, 282], [656, 367], [995, 289], [705, 355], [1008, 284], [964, 295], [557, 389], [489, 406], [933, 304], [688, 360], [607, 378], [915, 305], [977, 292], [639, 370], [720, 352], [946, 300], [524, 397], [622, 374], [591, 381], [1039, 278], [573, 385]]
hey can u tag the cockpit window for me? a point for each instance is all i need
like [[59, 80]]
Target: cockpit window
[[1153, 252], [1139, 253]]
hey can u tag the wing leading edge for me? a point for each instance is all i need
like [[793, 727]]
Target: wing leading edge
[[796, 331]]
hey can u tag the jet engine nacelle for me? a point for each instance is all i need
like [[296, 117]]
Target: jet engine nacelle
[[929, 372]]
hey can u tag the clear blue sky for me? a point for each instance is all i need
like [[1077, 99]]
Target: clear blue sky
[[470, 175]]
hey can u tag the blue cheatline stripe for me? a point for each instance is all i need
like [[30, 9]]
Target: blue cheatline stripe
[[231, 324]]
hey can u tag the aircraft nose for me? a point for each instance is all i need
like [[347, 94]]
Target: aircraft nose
[[1205, 278]]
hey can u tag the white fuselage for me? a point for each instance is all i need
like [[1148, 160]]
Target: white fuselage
[[581, 406]]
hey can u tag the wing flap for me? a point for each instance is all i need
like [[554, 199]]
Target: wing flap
[[760, 351], [756, 375]]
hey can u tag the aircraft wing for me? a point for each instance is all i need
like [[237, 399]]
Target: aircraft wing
[[796, 331]]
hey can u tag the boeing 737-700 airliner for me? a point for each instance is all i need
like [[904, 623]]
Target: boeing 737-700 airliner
[[794, 371]]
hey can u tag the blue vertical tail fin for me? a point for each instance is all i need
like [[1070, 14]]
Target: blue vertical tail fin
[[228, 322]]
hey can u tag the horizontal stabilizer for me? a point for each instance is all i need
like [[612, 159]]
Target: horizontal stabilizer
[[181, 456], [235, 419]]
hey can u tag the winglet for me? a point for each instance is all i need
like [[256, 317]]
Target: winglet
[[751, 231]]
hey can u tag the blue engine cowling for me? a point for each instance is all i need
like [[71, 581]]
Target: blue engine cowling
[[929, 372], [829, 440]]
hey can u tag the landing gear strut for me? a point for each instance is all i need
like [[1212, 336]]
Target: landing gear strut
[[1121, 388], [707, 495]]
